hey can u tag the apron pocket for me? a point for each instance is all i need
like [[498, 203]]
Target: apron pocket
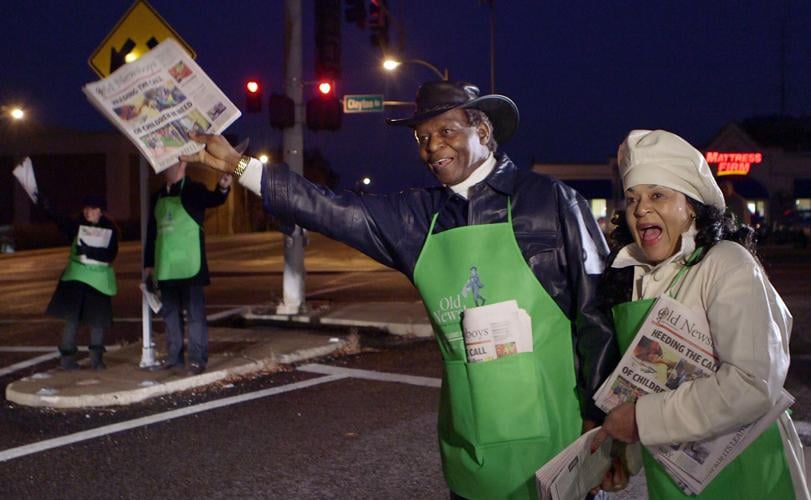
[[506, 399]]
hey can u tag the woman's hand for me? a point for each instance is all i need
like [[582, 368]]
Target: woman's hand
[[217, 153], [620, 424], [615, 478]]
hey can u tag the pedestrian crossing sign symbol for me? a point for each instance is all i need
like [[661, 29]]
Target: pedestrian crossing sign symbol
[[139, 30]]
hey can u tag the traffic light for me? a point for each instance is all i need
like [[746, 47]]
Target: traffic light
[[355, 12], [324, 110], [379, 23], [282, 111], [328, 38], [325, 87], [253, 96]]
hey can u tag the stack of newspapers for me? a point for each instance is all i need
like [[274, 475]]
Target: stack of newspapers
[[575, 470], [158, 99], [496, 330], [673, 346]]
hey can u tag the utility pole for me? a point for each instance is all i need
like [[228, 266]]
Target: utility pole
[[293, 155]]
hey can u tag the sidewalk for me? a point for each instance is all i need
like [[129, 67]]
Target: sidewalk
[[232, 352]]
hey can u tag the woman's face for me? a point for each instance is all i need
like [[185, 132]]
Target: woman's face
[[657, 216], [92, 214]]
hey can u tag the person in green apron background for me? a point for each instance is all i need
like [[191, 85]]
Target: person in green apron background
[[175, 258], [489, 233], [87, 285], [677, 237]]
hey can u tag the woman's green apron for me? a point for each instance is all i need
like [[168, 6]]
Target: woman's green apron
[[177, 247], [100, 276], [760, 472], [499, 420]]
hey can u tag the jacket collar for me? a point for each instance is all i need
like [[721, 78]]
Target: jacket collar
[[503, 176]]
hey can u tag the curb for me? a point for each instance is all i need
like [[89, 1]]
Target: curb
[[146, 384], [411, 321]]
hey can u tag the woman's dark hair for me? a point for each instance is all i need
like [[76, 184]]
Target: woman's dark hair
[[712, 226]]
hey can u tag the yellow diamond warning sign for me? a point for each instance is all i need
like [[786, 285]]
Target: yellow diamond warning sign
[[140, 29]]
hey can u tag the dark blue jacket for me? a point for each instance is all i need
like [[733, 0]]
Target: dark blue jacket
[[553, 224]]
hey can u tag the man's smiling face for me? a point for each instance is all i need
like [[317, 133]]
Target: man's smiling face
[[451, 147]]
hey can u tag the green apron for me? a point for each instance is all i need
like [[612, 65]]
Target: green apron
[[177, 247], [759, 473], [100, 276], [499, 420]]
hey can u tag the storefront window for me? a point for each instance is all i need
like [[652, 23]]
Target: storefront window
[[598, 207], [802, 203]]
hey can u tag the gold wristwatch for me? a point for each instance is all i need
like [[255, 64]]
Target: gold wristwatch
[[241, 166]]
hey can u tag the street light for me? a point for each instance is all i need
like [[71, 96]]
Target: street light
[[390, 64], [263, 158], [17, 113]]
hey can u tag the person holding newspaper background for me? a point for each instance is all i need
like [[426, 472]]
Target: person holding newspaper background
[[87, 285], [528, 237], [175, 257], [676, 238]]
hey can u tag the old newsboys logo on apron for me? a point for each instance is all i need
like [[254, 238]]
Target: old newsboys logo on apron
[[499, 420], [177, 247], [760, 472]]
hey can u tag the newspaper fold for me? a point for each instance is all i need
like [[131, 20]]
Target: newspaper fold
[[673, 346], [573, 472], [24, 172], [152, 296], [158, 99], [496, 330]]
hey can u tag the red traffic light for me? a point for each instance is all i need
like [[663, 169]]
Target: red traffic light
[[253, 96], [325, 88], [253, 87]]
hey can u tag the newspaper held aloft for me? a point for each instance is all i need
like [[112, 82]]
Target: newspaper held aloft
[[673, 346], [158, 99], [573, 472], [496, 330], [24, 172]]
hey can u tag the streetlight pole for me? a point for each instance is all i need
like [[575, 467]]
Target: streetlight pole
[[292, 151], [442, 74], [391, 64]]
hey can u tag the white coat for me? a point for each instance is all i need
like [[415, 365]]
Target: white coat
[[750, 326]]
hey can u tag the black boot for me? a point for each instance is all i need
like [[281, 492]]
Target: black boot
[[96, 353], [68, 360]]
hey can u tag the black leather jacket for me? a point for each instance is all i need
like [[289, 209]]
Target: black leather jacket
[[553, 225]]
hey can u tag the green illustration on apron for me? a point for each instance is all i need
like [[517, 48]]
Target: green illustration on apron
[[177, 247], [758, 473], [499, 420], [100, 276]]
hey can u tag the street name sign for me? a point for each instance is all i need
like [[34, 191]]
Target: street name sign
[[363, 103], [139, 30]]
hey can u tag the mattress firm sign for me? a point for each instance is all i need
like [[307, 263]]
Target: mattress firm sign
[[733, 163]]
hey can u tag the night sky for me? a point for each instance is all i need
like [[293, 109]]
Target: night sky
[[582, 73]]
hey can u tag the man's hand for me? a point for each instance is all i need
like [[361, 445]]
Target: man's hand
[[218, 153]]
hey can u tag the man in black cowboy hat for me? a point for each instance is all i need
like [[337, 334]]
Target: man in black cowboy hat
[[531, 239]]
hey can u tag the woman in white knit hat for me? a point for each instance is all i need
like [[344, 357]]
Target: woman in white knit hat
[[675, 238]]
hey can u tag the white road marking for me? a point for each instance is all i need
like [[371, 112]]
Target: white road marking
[[77, 437], [24, 348], [371, 375], [52, 353], [42, 348], [31, 362]]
